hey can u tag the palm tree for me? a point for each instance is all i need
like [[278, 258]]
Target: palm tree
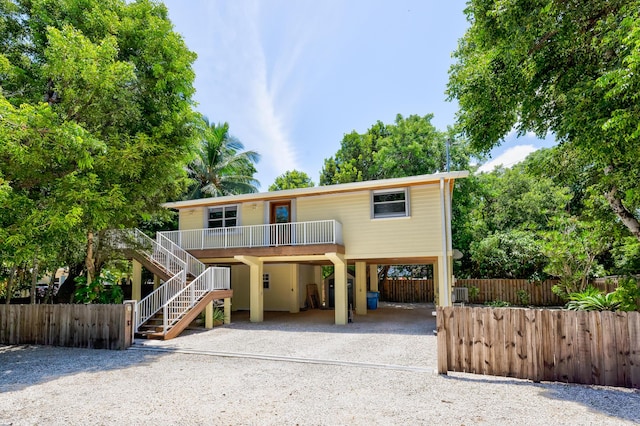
[[221, 167]]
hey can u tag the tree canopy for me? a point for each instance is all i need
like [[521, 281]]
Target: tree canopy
[[409, 147], [96, 121], [291, 179], [571, 68]]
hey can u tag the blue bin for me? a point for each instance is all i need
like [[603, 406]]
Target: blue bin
[[372, 300]]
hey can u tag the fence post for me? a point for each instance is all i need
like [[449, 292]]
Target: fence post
[[130, 324]]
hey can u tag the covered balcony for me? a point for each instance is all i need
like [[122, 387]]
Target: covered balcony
[[276, 239]]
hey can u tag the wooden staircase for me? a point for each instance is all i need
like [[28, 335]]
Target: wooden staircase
[[170, 308], [153, 327]]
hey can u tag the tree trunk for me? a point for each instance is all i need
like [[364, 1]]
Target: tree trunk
[[627, 218], [68, 287], [34, 280], [12, 273], [89, 263]]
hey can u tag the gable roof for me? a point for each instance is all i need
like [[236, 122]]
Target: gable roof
[[321, 190]]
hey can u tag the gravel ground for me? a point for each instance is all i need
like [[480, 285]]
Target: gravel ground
[[288, 370]]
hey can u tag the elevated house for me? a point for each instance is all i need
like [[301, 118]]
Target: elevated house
[[275, 243]]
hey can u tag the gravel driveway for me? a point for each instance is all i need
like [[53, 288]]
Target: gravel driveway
[[289, 370]]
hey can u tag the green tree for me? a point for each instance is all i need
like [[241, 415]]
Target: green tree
[[409, 147], [571, 68], [221, 167], [572, 249], [291, 179], [109, 143]]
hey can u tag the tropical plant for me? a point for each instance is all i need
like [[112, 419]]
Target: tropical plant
[[592, 299], [221, 167]]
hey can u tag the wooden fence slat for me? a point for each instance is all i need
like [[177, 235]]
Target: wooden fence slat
[[623, 349], [609, 343], [582, 349], [441, 327], [508, 363], [634, 348], [597, 348]]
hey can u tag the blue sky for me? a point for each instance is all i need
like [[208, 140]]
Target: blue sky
[[292, 77]]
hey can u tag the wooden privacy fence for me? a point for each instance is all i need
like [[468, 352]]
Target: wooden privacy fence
[[600, 348], [78, 326], [515, 292], [407, 291]]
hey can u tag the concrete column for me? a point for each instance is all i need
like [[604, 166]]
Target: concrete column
[[294, 301], [317, 278], [136, 288], [256, 291], [361, 288], [208, 315], [444, 282], [373, 277], [227, 310], [340, 286]]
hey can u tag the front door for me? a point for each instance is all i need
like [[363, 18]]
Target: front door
[[281, 218]]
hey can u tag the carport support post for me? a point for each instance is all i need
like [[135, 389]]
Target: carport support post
[[256, 291], [227, 310], [294, 301], [361, 288], [136, 288], [317, 278], [444, 287], [340, 286], [208, 315], [373, 277]]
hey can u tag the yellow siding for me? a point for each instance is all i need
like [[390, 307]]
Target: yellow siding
[[252, 213], [192, 218], [276, 298], [240, 287], [419, 234]]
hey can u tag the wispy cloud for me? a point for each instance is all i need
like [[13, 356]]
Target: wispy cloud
[[247, 82], [508, 158]]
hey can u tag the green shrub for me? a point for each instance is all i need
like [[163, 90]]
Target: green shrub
[[497, 304], [102, 290], [523, 297]]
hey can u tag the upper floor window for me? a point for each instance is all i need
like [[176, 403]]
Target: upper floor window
[[223, 217], [390, 203]]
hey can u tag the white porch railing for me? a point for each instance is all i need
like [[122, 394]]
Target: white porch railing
[[273, 235], [212, 278]]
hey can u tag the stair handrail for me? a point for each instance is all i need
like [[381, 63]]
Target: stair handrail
[[135, 239], [213, 278], [154, 301], [194, 266], [174, 265]]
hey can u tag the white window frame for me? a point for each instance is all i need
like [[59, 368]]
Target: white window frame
[[224, 218], [407, 210], [266, 281]]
